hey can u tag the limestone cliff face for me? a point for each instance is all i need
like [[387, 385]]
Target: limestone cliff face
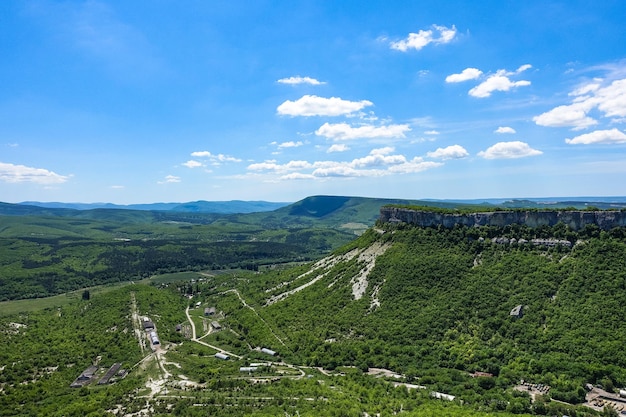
[[575, 220]]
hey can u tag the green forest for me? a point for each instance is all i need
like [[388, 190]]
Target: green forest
[[399, 321]]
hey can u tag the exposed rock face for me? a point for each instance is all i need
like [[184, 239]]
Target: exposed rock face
[[575, 220]]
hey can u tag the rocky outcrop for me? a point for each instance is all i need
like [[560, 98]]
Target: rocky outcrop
[[574, 219]]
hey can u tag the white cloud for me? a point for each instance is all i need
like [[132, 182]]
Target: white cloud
[[414, 166], [509, 150], [343, 131], [383, 151], [465, 75], [424, 37], [610, 100], [600, 137], [21, 173], [378, 158], [574, 116], [117, 187], [297, 176], [497, 82], [379, 162], [450, 152], [431, 132], [170, 179], [289, 144], [300, 80], [273, 166], [320, 106], [213, 158], [504, 129], [585, 89], [192, 164], [338, 147], [523, 68]]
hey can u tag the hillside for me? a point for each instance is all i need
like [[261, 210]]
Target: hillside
[[46, 250], [415, 299], [398, 315]]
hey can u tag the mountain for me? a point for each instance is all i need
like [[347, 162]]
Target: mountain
[[413, 299]]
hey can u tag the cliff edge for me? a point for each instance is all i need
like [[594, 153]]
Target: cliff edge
[[574, 219]]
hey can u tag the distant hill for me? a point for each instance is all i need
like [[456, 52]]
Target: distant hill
[[234, 206]]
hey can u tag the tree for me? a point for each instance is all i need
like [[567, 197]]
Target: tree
[[86, 295]]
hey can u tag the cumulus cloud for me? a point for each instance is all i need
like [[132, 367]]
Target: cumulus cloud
[[213, 158], [338, 147], [309, 105], [297, 176], [450, 152], [300, 80], [499, 81], [344, 131], [574, 116], [504, 129], [170, 179], [379, 162], [192, 164], [465, 75], [523, 68], [289, 144], [435, 35], [509, 150], [274, 166], [21, 173], [599, 137], [609, 99]]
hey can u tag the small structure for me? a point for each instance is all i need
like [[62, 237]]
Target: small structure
[[154, 338], [179, 327], [248, 369], [215, 325], [222, 356], [209, 311], [517, 312], [112, 370], [147, 324], [85, 377], [269, 351]]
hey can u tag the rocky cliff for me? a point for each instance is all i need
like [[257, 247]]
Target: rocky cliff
[[575, 220]]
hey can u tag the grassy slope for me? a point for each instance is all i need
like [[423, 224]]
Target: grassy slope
[[445, 302]]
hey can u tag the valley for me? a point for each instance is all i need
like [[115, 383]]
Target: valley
[[401, 320]]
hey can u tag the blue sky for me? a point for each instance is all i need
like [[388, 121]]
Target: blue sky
[[146, 101]]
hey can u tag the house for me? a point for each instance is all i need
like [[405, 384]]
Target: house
[[215, 325], [222, 356], [248, 369], [85, 377], [269, 351], [209, 311], [154, 338], [148, 325], [112, 371], [517, 312]]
